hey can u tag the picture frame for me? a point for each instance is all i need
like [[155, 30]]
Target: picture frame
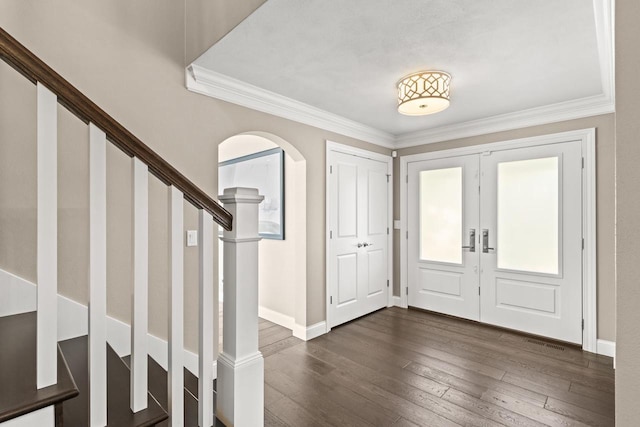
[[265, 171]]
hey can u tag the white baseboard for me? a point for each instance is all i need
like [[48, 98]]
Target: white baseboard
[[276, 317], [606, 348], [44, 417], [304, 333], [307, 333], [18, 295], [396, 301], [73, 321], [316, 330]]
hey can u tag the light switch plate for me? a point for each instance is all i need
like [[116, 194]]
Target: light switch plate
[[192, 237]]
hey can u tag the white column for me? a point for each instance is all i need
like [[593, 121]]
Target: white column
[[206, 328], [47, 237], [240, 398], [176, 308], [139, 297], [97, 277]]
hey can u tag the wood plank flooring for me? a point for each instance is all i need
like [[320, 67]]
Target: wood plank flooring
[[400, 367]]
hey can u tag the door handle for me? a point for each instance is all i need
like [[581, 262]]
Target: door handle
[[367, 244], [485, 241], [472, 241], [360, 245]]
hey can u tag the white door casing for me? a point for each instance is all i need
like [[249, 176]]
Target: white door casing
[[587, 224], [445, 277], [358, 233]]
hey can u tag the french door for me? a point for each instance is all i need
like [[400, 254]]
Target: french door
[[497, 237], [444, 267]]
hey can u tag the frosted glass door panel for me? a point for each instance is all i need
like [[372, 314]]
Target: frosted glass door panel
[[441, 215], [528, 226]]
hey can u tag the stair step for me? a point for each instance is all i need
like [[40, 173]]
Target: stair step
[[76, 411], [158, 388], [18, 392]]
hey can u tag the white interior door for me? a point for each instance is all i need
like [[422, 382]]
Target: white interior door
[[358, 246], [531, 221], [526, 212], [442, 236]]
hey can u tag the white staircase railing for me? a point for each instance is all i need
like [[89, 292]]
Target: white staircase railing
[[240, 400]]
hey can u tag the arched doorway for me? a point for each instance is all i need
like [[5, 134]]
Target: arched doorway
[[282, 263]]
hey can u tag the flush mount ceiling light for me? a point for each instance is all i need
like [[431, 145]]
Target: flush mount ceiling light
[[424, 92]]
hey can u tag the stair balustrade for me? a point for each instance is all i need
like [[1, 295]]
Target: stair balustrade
[[240, 367]]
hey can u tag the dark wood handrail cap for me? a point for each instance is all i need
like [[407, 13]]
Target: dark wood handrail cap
[[34, 69]]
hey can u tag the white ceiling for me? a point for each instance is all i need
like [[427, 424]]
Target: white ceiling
[[345, 56]]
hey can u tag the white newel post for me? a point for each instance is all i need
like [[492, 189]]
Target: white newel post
[[240, 399]]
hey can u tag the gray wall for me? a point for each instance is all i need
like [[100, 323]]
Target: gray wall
[[627, 213]]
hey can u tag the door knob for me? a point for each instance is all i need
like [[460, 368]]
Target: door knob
[[360, 245], [472, 241], [485, 242]]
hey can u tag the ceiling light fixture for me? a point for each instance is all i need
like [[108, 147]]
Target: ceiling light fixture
[[424, 92]]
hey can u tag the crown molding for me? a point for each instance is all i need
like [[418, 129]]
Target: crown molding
[[563, 111], [604, 12], [216, 85]]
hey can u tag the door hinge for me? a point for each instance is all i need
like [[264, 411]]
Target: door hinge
[[407, 288], [330, 300], [478, 290], [388, 178], [406, 178], [331, 169], [583, 324], [387, 283], [583, 243], [331, 234], [583, 163], [387, 230]]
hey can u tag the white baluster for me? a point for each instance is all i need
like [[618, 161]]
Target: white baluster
[[47, 251], [176, 308], [97, 277], [240, 398], [140, 294], [206, 328]]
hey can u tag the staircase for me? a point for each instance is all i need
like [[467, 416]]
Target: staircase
[[82, 381]]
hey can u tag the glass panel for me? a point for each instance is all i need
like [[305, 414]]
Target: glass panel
[[441, 215], [528, 215]]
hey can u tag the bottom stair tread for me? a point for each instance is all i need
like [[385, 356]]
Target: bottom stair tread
[[76, 411], [19, 394]]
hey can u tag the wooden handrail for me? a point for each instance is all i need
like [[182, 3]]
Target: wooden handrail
[[34, 69]]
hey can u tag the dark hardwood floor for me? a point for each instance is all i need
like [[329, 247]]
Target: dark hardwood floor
[[401, 367]]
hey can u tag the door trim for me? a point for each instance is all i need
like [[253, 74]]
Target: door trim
[[347, 149], [587, 137]]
